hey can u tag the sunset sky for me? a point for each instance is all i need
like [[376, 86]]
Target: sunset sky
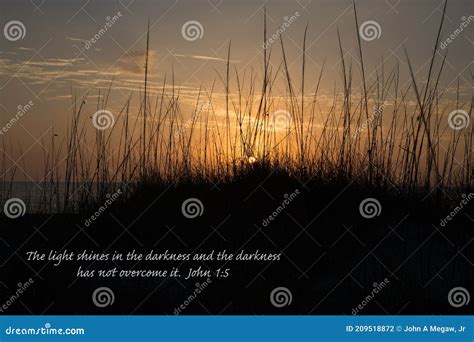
[[51, 60]]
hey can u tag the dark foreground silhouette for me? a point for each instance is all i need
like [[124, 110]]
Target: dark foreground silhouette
[[331, 257]]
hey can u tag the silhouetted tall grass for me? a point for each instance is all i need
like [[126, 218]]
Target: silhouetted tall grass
[[410, 155]]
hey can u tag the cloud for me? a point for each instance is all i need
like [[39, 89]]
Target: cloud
[[76, 39], [207, 58], [134, 62], [55, 62]]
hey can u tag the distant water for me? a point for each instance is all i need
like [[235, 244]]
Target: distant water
[[41, 195]]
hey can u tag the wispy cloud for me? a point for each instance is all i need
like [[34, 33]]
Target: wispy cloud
[[55, 62], [207, 58], [76, 39], [134, 62]]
